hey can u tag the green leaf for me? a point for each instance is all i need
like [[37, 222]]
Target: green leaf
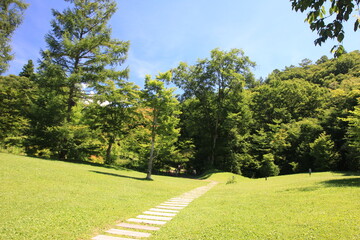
[[340, 37], [356, 25]]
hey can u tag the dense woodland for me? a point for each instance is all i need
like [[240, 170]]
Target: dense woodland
[[78, 105]]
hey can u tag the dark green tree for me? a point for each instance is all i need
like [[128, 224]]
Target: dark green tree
[[113, 111], [268, 167], [212, 87], [11, 16], [80, 43], [81, 55], [16, 97], [28, 70], [325, 157]]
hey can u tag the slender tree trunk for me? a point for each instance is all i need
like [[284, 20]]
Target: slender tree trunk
[[70, 103], [151, 158], [72, 91], [213, 146], [108, 150]]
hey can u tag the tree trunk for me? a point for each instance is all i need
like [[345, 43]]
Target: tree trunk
[[151, 158], [108, 151], [213, 147]]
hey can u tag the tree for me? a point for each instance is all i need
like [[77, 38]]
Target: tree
[[16, 97], [325, 157], [11, 16], [162, 112], [80, 43], [28, 70], [353, 137], [112, 110], [268, 168], [81, 56], [327, 19], [214, 88]]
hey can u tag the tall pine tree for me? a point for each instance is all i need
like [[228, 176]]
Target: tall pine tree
[[80, 55]]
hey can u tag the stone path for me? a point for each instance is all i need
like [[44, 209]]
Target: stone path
[[154, 218]]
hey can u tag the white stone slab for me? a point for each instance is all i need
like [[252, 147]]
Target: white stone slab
[[136, 226], [154, 217], [146, 221], [180, 203], [160, 213], [169, 207], [173, 205], [128, 233], [163, 210], [181, 199], [104, 237]]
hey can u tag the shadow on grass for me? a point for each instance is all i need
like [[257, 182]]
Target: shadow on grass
[[347, 182], [208, 174], [118, 175]]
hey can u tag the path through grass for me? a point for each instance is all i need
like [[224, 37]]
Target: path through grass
[[42, 199], [323, 206]]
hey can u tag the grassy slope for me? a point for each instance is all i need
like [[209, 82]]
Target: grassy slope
[[323, 206], [41, 199]]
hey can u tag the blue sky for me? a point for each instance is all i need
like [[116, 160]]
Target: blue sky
[[163, 32]]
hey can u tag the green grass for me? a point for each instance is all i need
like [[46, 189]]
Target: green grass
[[323, 206], [42, 199]]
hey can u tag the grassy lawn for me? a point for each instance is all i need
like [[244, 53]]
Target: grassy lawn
[[323, 206], [42, 199]]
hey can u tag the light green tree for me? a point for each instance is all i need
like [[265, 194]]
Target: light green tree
[[353, 137], [162, 116], [11, 16], [113, 110]]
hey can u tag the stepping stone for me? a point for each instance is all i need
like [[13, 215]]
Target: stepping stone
[[181, 199], [163, 210], [173, 205], [104, 237], [181, 203], [160, 213], [168, 207], [154, 217], [128, 233], [146, 221], [136, 226]]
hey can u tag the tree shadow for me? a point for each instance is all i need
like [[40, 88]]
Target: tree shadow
[[118, 175], [347, 182]]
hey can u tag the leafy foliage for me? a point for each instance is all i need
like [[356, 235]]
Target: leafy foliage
[[79, 106], [162, 109], [11, 16], [327, 19]]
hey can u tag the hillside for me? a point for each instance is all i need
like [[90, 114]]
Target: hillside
[[42, 199]]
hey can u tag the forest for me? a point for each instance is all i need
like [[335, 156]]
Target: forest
[[78, 105]]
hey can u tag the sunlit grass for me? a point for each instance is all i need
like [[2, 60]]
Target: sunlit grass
[[42, 199], [323, 206]]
